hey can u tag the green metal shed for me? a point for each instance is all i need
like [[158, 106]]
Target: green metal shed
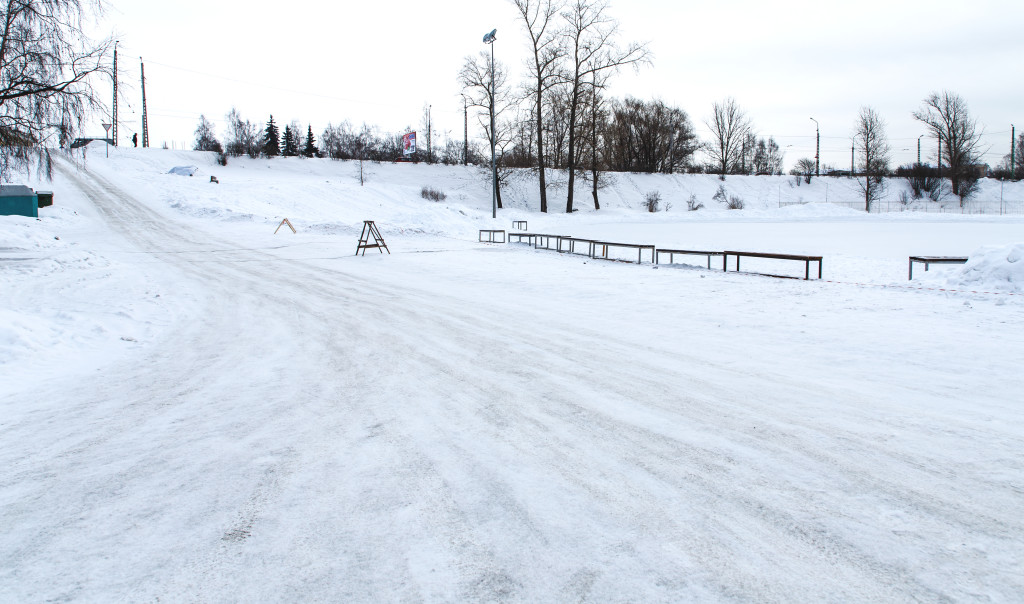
[[18, 200]]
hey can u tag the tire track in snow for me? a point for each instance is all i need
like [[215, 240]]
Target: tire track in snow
[[461, 475]]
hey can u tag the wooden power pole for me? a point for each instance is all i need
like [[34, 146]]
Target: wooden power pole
[[145, 118]]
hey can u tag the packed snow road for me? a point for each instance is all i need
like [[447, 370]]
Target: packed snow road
[[497, 424]]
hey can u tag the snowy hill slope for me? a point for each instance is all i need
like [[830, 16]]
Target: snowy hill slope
[[328, 192]]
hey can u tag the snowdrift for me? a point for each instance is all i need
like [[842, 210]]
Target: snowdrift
[[993, 268]]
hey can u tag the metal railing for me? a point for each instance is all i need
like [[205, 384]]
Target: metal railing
[[995, 207]]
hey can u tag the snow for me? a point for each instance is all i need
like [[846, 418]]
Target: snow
[[994, 268], [194, 408], [184, 170]]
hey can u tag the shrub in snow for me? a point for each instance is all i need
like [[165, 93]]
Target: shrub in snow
[[432, 194], [735, 202], [652, 201], [692, 204], [721, 195]]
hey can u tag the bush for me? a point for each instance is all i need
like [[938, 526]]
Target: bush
[[222, 158], [432, 194], [923, 179], [735, 203], [652, 201], [692, 204], [721, 195]]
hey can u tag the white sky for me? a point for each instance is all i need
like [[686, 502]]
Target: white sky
[[383, 62]]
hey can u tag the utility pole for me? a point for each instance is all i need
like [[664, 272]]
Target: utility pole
[[853, 172], [465, 131], [430, 146], [919, 150], [817, 147], [1013, 147], [938, 158], [114, 120], [145, 119]]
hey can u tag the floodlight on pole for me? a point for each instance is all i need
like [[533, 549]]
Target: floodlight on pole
[[489, 39], [817, 147], [919, 150]]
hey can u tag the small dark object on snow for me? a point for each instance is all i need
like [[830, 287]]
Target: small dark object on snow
[[214, 179]]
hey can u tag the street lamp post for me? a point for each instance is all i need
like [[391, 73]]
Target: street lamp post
[[919, 150], [489, 39], [817, 147]]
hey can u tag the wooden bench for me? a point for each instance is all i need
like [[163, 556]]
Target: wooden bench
[[807, 260], [639, 247], [672, 253], [491, 233], [926, 260]]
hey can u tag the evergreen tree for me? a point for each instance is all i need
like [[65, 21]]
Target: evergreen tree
[[290, 148], [271, 136], [310, 150]]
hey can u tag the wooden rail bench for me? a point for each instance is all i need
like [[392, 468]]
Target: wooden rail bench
[[639, 247], [926, 260], [491, 233], [672, 253], [807, 260]]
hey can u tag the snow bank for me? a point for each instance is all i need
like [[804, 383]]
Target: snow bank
[[993, 268], [184, 170]]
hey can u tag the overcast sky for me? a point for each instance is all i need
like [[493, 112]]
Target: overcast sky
[[383, 62]]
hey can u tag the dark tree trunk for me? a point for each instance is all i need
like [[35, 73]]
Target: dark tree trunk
[[540, 150], [571, 160]]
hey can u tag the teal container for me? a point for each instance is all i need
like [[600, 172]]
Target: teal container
[[18, 200]]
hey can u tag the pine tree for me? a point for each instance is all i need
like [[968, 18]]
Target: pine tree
[[290, 148], [310, 150], [271, 136]]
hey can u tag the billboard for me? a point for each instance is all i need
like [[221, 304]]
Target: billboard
[[409, 143]]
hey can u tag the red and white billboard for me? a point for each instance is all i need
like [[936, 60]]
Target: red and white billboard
[[409, 143]]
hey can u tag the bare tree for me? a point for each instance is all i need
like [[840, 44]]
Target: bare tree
[[875, 154], [538, 16], [767, 157], [206, 139], [804, 167], [589, 38], [488, 92], [243, 136], [948, 119], [46, 72], [729, 127], [649, 136]]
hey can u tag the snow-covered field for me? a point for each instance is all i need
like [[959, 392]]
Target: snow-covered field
[[193, 408]]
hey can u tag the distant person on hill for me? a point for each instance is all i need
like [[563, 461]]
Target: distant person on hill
[[135, 139]]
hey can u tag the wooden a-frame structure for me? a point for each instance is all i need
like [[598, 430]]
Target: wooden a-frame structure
[[370, 230]]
